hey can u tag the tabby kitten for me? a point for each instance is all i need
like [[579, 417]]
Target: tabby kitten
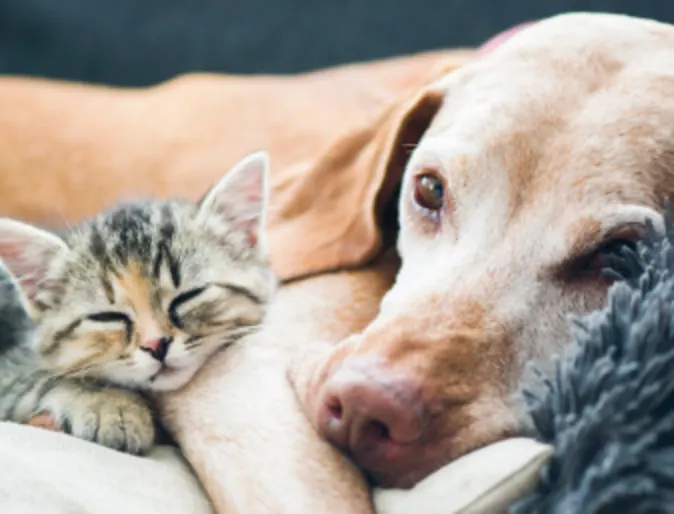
[[135, 300]]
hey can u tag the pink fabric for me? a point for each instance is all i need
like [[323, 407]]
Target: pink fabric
[[502, 37]]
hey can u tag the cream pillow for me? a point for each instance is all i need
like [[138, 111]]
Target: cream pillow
[[43, 472], [487, 480]]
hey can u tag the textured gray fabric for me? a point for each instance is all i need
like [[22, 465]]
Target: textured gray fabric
[[608, 408]]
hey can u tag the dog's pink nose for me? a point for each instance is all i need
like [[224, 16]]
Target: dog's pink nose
[[372, 415]]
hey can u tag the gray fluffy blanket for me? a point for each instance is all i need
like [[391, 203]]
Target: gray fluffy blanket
[[608, 408]]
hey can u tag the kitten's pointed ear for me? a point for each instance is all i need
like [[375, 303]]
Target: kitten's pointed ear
[[26, 252], [240, 198]]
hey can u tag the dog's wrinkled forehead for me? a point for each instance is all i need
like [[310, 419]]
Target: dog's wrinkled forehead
[[569, 116]]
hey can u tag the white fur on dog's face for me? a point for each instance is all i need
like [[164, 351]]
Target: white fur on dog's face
[[557, 143]]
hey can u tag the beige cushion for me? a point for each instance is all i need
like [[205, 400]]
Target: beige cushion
[[485, 481], [49, 473]]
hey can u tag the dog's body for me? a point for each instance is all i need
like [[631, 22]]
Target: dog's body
[[253, 448], [530, 157]]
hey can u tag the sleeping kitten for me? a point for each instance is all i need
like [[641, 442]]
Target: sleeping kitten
[[135, 300]]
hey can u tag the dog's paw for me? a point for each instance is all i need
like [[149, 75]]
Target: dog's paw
[[115, 418]]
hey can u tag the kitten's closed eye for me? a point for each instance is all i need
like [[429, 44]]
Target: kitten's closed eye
[[209, 307], [113, 318], [110, 317], [182, 302]]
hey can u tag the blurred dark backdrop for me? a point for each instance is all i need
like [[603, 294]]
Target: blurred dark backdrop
[[138, 42]]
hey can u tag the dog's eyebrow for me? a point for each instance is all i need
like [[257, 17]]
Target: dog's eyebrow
[[631, 215], [427, 158], [583, 235], [631, 231], [625, 222], [447, 154]]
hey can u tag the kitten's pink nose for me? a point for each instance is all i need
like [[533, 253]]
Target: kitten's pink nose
[[157, 347]]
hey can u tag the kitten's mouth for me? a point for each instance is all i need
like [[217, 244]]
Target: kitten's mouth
[[170, 378], [163, 371]]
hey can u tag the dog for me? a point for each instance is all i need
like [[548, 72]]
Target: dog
[[524, 163], [541, 159]]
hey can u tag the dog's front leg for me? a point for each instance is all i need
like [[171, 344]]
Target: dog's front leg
[[253, 449], [239, 422]]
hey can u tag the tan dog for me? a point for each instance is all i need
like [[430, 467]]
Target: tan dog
[[539, 151], [543, 157]]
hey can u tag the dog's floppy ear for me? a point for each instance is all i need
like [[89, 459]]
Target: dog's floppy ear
[[332, 217], [401, 132]]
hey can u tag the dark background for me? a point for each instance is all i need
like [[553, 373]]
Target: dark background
[[138, 42]]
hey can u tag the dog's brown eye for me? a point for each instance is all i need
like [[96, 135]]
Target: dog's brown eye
[[429, 192], [603, 258]]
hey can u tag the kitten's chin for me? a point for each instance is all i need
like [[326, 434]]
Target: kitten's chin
[[170, 379]]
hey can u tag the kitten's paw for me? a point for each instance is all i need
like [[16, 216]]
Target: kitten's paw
[[45, 421], [115, 418]]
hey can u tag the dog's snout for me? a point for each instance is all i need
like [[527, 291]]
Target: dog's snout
[[370, 413]]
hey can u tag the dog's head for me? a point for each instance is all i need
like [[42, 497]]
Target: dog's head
[[541, 160]]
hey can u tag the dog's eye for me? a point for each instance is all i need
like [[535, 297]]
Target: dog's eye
[[606, 256], [429, 192]]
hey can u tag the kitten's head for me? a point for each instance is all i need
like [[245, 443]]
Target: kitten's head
[[142, 295]]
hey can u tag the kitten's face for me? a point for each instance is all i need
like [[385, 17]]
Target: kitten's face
[[145, 294], [142, 295]]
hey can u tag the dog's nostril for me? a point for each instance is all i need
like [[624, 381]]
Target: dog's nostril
[[335, 408], [376, 432]]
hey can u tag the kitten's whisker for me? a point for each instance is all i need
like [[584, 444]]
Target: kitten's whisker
[[243, 331], [59, 211], [75, 372], [88, 368], [225, 338]]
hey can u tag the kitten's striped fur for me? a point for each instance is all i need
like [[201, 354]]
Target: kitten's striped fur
[[134, 300]]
